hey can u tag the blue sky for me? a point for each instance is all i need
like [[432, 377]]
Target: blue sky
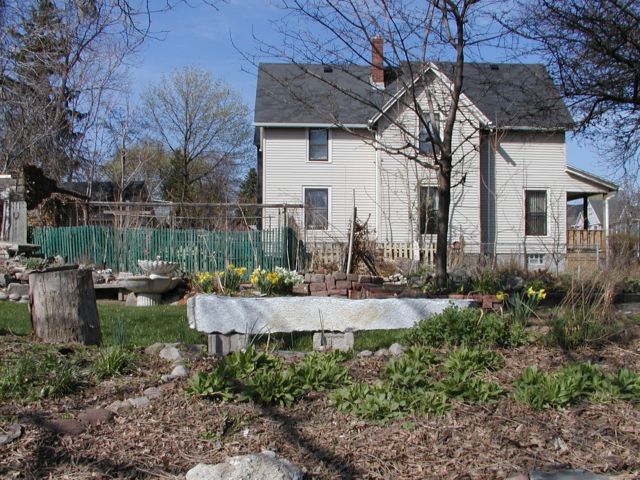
[[203, 36]]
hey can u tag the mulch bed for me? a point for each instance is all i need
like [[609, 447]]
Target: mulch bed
[[472, 442]]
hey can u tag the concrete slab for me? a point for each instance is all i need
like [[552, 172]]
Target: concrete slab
[[219, 314]]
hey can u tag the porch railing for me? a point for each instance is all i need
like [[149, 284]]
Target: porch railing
[[585, 240]]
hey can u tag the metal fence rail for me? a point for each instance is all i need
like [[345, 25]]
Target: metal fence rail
[[195, 250]]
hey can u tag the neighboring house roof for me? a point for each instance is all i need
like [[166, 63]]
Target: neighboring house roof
[[106, 191], [591, 178], [509, 95]]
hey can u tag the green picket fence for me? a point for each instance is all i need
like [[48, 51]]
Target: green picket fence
[[195, 250]]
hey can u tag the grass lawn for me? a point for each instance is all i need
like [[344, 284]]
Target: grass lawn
[[166, 323], [137, 326]]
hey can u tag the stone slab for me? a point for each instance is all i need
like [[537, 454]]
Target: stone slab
[[18, 289], [220, 314]]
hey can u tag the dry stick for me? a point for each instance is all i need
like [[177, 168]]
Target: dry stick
[[353, 222]]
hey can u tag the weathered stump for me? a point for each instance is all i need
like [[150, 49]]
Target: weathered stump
[[63, 306]]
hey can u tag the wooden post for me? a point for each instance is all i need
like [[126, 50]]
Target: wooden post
[[63, 306]]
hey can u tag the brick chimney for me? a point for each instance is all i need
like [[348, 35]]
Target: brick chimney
[[377, 62]]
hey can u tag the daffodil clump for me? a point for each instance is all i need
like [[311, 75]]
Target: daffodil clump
[[278, 281], [227, 280], [522, 305]]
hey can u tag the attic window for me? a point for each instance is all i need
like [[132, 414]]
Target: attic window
[[328, 69], [318, 145], [427, 133], [493, 66]]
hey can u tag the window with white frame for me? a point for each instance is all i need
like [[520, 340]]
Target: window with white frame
[[427, 133], [428, 210], [535, 212], [316, 208], [535, 259], [318, 145]]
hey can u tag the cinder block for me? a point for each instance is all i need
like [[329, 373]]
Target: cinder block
[[18, 288], [221, 345], [343, 284], [330, 281], [340, 275], [316, 278], [352, 277], [333, 341], [320, 293], [338, 292], [317, 287], [301, 289]]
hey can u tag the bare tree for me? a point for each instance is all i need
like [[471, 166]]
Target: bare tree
[[205, 125], [592, 49], [407, 38]]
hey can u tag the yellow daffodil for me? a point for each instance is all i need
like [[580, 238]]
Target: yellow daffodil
[[500, 296], [542, 294], [531, 292]]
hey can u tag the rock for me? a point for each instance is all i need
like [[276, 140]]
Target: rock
[[120, 406], [131, 300], [264, 466], [170, 353], [196, 348], [14, 297], [139, 402], [521, 476], [65, 427], [179, 371], [513, 282], [365, 353], [14, 432], [340, 276], [18, 288], [220, 315], [167, 378], [565, 475], [154, 349], [396, 349], [383, 352], [152, 393], [3, 296], [96, 416]]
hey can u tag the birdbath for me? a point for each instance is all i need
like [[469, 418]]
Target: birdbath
[[158, 280]]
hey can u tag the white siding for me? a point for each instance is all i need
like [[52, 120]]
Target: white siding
[[352, 167], [401, 176], [530, 161]]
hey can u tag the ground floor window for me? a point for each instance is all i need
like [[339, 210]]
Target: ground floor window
[[535, 212], [316, 208], [428, 210]]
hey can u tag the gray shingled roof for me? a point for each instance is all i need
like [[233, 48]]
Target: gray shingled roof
[[509, 95]]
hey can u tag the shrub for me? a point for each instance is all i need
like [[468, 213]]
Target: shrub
[[114, 361], [468, 326], [485, 281], [585, 315]]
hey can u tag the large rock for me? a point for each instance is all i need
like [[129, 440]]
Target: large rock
[[212, 313], [263, 466]]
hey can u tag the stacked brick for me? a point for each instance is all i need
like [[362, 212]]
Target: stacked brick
[[335, 284]]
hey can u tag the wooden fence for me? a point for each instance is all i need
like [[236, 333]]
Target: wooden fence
[[195, 250], [585, 240], [334, 253]]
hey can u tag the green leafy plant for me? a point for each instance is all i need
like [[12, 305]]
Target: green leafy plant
[[411, 369], [473, 360], [212, 385], [322, 371], [114, 361], [522, 305], [272, 387], [468, 326], [485, 282], [466, 386]]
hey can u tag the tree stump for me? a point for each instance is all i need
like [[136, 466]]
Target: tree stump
[[63, 306]]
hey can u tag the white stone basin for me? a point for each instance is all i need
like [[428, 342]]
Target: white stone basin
[[143, 284], [158, 267]]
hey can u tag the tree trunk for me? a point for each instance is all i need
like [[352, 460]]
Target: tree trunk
[[63, 307], [442, 239]]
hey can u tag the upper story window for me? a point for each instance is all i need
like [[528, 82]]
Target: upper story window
[[535, 212], [428, 210], [427, 133], [318, 145]]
